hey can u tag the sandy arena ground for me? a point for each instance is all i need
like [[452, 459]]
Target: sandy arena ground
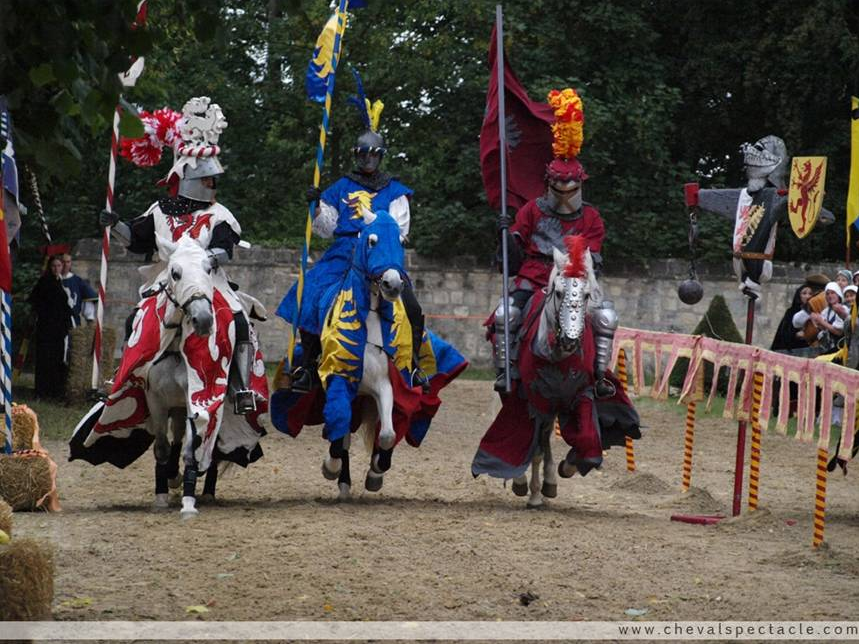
[[435, 544]]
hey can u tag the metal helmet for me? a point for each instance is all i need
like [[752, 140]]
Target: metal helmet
[[564, 178], [369, 150], [766, 161], [191, 184]]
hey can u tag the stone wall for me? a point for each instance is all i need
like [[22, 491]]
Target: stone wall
[[457, 295]]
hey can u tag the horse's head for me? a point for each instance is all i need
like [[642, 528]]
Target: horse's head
[[571, 285], [379, 254], [189, 282]]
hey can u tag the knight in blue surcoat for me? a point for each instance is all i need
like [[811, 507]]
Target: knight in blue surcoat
[[339, 216]]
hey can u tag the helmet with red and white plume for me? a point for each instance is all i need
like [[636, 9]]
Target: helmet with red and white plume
[[193, 136]]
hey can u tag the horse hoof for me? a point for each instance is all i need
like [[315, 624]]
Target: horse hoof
[[345, 492], [331, 475], [207, 499], [520, 489], [188, 510], [565, 470], [549, 490], [174, 483], [386, 441], [536, 505], [162, 502], [373, 482]]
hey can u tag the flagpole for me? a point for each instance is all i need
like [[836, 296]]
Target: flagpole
[[105, 253], [128, 79], [6, 348], [502, 143], [317, 171]]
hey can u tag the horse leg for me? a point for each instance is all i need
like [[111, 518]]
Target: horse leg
[[385, 404], [550, 476], [520, 485], [177, 427], [162, 455], [157, 425], [333, 463], [536, 498], [189, 482], [344, 481], [380, 463], [209, 484]]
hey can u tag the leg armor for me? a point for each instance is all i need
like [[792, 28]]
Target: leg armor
[[516, 304], [240, 374], [416, 321], [604, 321], [305, 377]]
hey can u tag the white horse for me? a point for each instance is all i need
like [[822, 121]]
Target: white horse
[[558, 336], [376, 252], [189, 287]]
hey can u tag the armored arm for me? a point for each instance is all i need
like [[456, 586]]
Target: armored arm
[[719, 201], [605, 322]]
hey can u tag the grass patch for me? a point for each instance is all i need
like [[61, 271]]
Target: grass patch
[[57, 419]]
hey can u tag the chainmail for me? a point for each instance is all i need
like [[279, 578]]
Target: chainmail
[[176, 206], [375, 181]]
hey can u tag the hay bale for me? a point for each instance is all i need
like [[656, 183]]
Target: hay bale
[[79, 378], [25, 428], [5, 517], [26, 481], [26, 580]]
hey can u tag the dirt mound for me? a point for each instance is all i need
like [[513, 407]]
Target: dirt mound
[[642, 484], [696, 499], [823, 558]]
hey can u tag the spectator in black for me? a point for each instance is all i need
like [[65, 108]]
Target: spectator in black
[[53, 321], [788, 338]]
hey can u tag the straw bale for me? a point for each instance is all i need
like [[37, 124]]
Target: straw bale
[[25, 428], [26, 580], [5, 517], [79, 379], [25, 481]]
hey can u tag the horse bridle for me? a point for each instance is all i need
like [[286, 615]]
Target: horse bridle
[[163, 287]]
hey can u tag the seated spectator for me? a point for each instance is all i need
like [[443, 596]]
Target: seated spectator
[[850, 298], [82, 297], [844, 278], [855, 278], [787, 337], [829, 325]]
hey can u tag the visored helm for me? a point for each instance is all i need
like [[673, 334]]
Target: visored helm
[[369, 150], [766, 160], [191, 184]]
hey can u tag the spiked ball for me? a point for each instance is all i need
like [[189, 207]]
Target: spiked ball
[[690, 292]]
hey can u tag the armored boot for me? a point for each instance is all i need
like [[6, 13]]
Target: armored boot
[[418, 376], [604, 320], [305, 377], [244, 401]]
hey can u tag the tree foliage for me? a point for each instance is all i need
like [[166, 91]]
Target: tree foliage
[[670, 90]]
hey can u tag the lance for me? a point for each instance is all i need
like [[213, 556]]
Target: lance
[[317, 170], [502, 143], [128, 79]]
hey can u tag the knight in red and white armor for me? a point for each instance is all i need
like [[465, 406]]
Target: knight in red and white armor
[[190, 211], [540, 226]]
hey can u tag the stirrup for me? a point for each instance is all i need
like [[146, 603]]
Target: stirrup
[[420, 379], [304, 380], [500, 385], [244, 402]]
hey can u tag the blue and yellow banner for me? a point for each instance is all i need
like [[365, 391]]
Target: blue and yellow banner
[[853, 189]]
